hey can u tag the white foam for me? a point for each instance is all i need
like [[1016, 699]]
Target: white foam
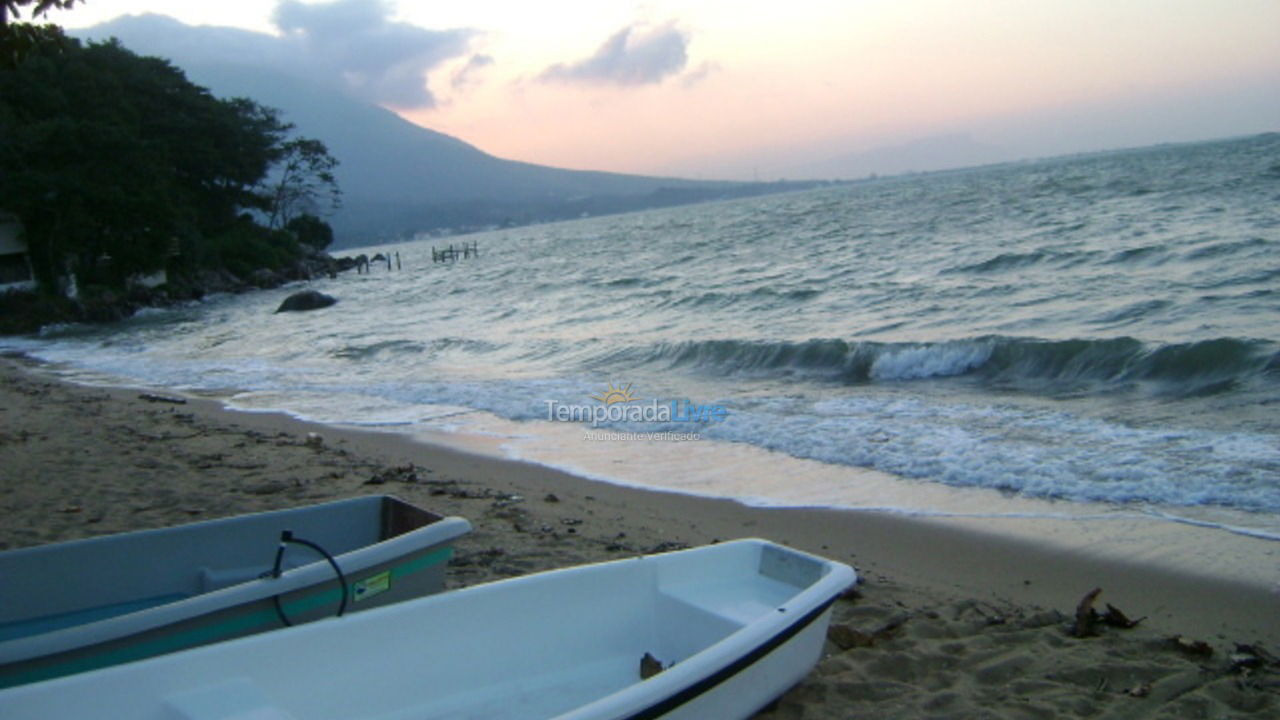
[[929, 361], [1040, 453], [1032, 451]]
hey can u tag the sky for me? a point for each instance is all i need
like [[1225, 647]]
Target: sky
[[745, 89]]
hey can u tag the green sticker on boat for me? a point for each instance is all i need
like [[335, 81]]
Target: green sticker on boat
[[372, 585]]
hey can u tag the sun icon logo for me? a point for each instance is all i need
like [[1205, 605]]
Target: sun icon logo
[[615, 395]]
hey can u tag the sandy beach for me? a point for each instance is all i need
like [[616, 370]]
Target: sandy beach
[[948, 621]]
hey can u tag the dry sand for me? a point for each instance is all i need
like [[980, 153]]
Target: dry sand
[[948, 621]]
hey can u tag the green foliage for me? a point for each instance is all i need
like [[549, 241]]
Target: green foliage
[[19, 39], [10, 8], [24, 312], [247, 246], [305, 179], [311, 231], [114, 162]]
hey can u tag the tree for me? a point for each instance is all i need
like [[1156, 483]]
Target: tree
[[112, 161], [17, 40], [10, 7], [311, 231], [89, 186], [305, 180]]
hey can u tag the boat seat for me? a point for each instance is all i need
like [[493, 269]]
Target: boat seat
[[216, 579], [235, 699], [60, 621]]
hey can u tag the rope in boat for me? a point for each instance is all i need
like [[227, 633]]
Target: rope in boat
[[287, 537]]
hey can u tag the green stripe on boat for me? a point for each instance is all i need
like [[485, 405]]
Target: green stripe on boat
[[222, 630]]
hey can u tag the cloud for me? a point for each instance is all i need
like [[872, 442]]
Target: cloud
[[632, 56], [352, 45], [378, 59], [465, 76], [700, 73]]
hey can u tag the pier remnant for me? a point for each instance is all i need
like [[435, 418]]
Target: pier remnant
[[452, 253]]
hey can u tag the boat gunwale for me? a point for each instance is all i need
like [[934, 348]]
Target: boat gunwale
[[697, 689], [721, 660], [312, 574], [691, 678]]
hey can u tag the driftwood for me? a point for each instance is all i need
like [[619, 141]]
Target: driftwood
[[847, 637], [1087, 618], [650, 666], [1116, 618], [149, 397], [1248, 658], [1194, 648]]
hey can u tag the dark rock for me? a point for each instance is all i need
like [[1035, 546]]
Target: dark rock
[[104, 306], [306, 300], [264, 278], [216, 280]]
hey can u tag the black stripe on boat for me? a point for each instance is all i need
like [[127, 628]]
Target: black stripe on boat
[[708, 683]]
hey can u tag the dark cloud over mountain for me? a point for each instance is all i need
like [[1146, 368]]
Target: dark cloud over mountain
[[631, 56], [351, 45], [378, 59]]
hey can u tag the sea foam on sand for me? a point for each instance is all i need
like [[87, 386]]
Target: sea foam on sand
[[952, 619]]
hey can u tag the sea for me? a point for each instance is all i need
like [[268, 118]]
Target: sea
[[1081, 336]]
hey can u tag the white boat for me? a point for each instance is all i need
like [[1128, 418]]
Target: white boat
[[734, 625], [75, 606]]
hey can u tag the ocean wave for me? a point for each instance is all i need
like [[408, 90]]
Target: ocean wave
[[1228, 248], [1035, 453], [1150, 254], [796, 295], [1018, 261], [1030, 364], [1133, 313], [365, 352], [391, 348], [1003, 261]]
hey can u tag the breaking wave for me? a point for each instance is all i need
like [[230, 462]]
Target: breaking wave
[[1029, 364]]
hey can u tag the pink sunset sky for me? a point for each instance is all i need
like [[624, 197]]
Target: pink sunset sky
[[723, 88]]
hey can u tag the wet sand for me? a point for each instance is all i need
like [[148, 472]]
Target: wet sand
[[953, 618]]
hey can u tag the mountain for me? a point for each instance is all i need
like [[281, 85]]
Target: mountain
[[399, 178], [940, 152]]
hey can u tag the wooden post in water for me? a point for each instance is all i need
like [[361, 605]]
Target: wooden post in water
[[454, 252]]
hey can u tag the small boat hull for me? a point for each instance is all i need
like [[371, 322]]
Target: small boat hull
[[77, 606], [733, 625]]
